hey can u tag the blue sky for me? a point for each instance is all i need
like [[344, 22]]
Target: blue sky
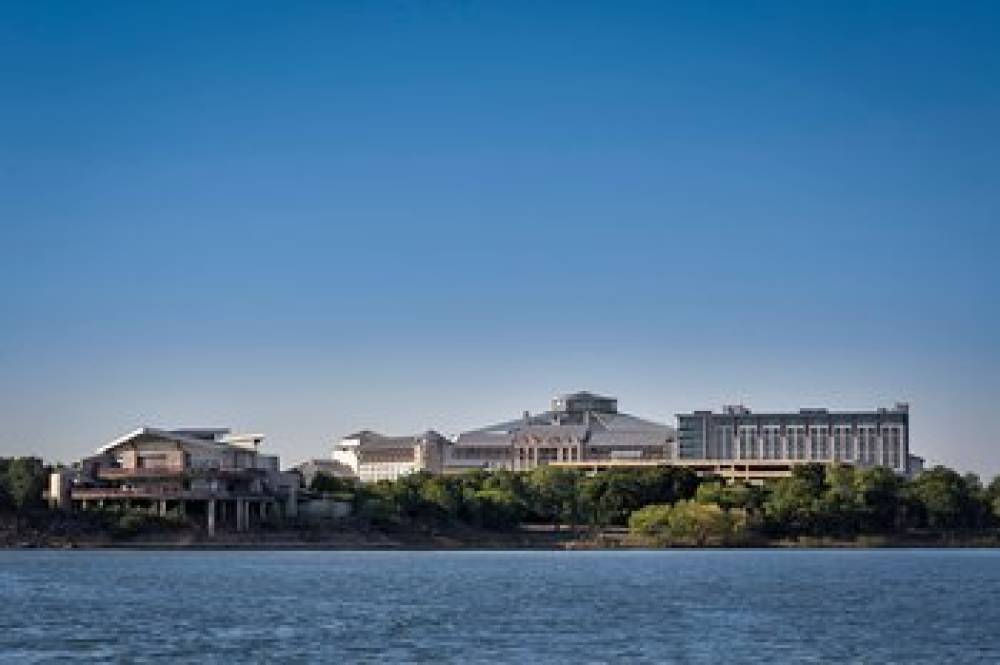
[[307, 218]]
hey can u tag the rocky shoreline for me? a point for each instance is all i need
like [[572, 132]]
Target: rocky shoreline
[[55, 530], [464, 539]]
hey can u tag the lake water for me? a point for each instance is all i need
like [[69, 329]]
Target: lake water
[[878, 606]]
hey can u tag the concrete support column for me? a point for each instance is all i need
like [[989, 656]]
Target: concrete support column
[[163, 507], [240, 515], [292, 502], [211, 518]]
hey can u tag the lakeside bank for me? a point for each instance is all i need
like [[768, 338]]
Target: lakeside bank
[[62, 532]]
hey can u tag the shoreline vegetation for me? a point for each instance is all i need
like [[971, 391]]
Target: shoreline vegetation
[[832, 506]]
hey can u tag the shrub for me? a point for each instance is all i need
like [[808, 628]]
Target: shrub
[[689, 523], [130, 524]]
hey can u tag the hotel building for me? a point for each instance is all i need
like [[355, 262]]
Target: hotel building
[[784, 439]]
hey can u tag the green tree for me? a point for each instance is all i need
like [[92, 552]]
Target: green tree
[[712, 491], [993, 499], [879, 496], [24, 482], [440, 497], [740, 495], [689, 523], [328, 484], [6, 502], [947, 499], [665, 484], [497, 508], [838, 512], [610, 496], [651, 522], [555, 495], [795, 504]]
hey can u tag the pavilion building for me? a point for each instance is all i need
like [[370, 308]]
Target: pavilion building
[[209, 473]]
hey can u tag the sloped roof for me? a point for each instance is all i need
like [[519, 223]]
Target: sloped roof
[[585, 395], [626, 422], [369, 439], [594, 427], [178, 436]]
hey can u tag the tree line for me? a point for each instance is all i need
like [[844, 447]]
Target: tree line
[[673, 504], [659, 504]]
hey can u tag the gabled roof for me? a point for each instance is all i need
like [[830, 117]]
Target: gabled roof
[[599, 428], [178, 436], [363, 434], [585, 394], [624, 422], [369, 439], [209, 433]]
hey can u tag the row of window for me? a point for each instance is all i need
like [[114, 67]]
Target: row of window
[[817, 445]]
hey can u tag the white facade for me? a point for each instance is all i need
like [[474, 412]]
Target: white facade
[[372, 457]]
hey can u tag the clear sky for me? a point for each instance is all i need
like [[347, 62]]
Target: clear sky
[[308, 218]]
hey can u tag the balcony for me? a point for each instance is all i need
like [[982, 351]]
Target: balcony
[[115, 473], [166, 493], [142, 493], [174, 471]]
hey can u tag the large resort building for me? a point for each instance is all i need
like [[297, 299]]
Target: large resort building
[[769, 444], [205, 473], [579, 428], [224, 479], [587, 431]]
